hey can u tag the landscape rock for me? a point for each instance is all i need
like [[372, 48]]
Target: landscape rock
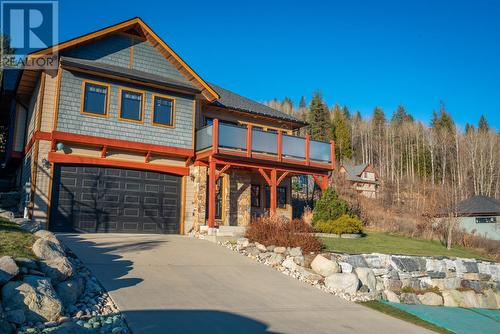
[[27, 224], [474, 285], [47, 250], [279, 250], [5, 326], [356, 261], [252, 251], [8, 269], [490, 300], [299, 260], [346, 267], [295, 251], [275, 259], [58, 269], [26, 263], [345, 282], [243, 242], [431, 298], [309, 274], [391, 296], [35, 296], [469, 299], [15, 316], [44, 234], [470, 267], [69, 291], [9, 215], [452, 298], [260, 247], [367, 277], [447, 283], [409, 298], [72, 328], [270, 248], [321, 265], [408, 264], [377, 261], [290, 264]]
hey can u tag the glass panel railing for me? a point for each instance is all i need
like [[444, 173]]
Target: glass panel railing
[[232, 136], [264, 142], [294, 147], [319, 151], [204, 138]]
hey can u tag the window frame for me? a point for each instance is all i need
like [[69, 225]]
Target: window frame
[[174, 103], [285, 191], [267, 199], [482, 220], [258, 198], [82, 98], [120, 96]]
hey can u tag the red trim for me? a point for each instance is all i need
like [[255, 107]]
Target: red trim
[[273, 189], [121, 144], [282, 177], [280, 145], [37, 135], [264, 175], [104, 150], [332, 154], [321, 181], [73, 159], [249, 140], [308, 145], [219, 172], [215, 136], [211, 192]]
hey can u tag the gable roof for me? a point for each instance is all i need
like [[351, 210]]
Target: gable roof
[[479, 205], [354, 170], [137, 24], [231, 100]]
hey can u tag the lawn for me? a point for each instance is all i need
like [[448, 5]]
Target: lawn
[[14, 241], [397, 313], [379, 242]]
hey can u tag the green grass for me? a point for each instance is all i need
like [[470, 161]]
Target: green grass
[[14, 241], [379, 242], [397, 313]]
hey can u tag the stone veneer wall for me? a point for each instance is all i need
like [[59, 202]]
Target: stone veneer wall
[[196, 208], [238, 206]]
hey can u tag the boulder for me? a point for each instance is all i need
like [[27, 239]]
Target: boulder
[[58, 269], [8, 269], [470, 299], [474, 285], [451, 283], [378, 261], [295, 251], [452, 298], [35, 296], [299, 260], [431, 298], [324, 267], [345, 282], [356, 261], [393, 284], [69, 291], [279, 250], [409, 298], [9, 215], [263, 256], [408, 263], [309, 274], [27, 224], [243, 242], [345, 267], [5, 326], [487, 299], [270, 248], [471, 276], [275, 259], [367, 277], [16, 316], [289, 264], [391, 296], [44, 234], [260, 247], [47, 250], [26, 263], [252, 251]]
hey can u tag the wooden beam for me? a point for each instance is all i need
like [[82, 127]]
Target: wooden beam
[[264, 175], [273, 190], [249, 140], [223, 169], [104, 151], [282, 177], [321, 181], [308, 145], [332, 154], [215, 136], [280, 145], [147, 158]]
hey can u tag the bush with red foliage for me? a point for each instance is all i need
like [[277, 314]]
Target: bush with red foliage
[[280, 231]]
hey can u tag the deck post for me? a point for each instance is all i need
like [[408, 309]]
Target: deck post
[[215, 136], [273, 189], [211, 192], [332, 153], [280, 145], [308, 142], [249, 140]]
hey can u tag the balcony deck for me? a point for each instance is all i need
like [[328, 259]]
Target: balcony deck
[[250, 144]]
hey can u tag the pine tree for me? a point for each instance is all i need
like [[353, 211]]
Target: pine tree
[[341, 133], [400, 116], [303, 115], [483, 124], [319, 120]]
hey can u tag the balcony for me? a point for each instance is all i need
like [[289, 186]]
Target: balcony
[[252, 143]]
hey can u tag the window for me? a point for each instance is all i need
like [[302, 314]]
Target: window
[[95, 99], [280, 200], [218, 198], [131, 105], [163, 110], [486, 220], [255, 192]]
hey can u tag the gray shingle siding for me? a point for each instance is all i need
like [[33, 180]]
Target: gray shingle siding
[[115, 50], [71, 120]]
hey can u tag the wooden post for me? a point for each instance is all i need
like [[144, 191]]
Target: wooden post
[[249, 140], [280, 145], [273, 190], [215, 136], [308, 142], [211, 192], [332, 153]]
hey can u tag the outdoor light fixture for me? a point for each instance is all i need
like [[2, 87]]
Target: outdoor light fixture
[[60, 146]]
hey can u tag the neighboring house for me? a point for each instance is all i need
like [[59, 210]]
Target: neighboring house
[[481, 215], [125, 137], [362, 178]]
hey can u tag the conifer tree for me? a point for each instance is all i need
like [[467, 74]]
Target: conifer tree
[[319, 120], [483, 125], [341, 133]]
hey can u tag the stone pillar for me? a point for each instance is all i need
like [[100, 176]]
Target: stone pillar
[[199, 177], [42, 183], [240, 198]]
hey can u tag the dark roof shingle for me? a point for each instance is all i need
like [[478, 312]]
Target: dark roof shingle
[[479, 205]]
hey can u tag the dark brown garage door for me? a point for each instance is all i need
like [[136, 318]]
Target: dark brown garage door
[[102, 199]]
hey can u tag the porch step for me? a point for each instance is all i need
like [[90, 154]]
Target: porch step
[[231, 231]]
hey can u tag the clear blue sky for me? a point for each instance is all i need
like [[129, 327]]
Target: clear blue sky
[[358, 53]]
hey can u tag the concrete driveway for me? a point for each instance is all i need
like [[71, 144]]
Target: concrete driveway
[[176, 284]]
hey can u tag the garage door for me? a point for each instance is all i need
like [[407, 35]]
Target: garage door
[[103, 199]]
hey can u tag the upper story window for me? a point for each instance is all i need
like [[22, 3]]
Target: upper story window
[[486, 220], [131, 105], [95, 99], [163, 110]]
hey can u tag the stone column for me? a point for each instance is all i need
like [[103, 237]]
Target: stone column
[[240, 198]]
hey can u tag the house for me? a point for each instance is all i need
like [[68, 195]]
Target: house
[[480, 215], [362, 178], [126, 137]]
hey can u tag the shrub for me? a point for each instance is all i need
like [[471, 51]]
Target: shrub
[[342, 225], [329, 207], [280, 231]]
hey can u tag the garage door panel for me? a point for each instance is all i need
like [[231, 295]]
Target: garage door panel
[[102, 199]]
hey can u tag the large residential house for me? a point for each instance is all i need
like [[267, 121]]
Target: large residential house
[[361, 178], [126, 137]]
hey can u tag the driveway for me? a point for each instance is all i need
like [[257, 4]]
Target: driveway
[[176, 284]]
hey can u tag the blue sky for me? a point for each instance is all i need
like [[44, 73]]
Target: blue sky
[[358, 53]]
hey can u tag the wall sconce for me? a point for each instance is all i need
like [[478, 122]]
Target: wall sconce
[[59, 147]]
